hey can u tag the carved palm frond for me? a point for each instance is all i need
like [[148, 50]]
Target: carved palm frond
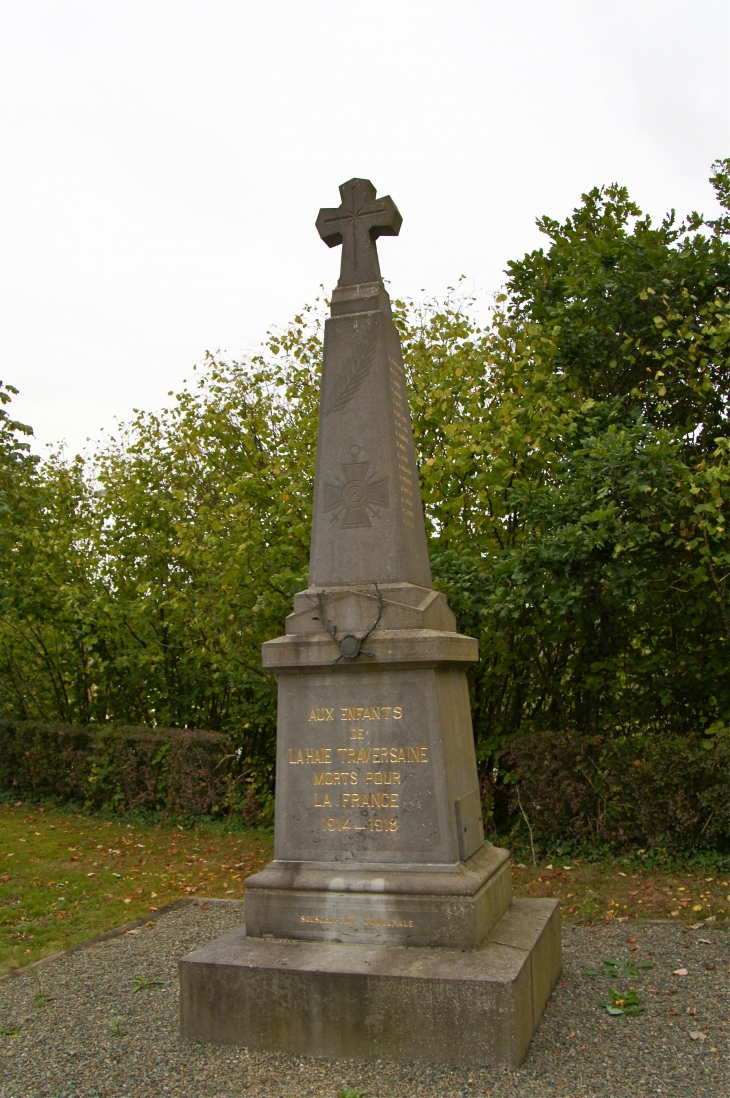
[[357, 368]]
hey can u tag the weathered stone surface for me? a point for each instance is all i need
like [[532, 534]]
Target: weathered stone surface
[[370, 764], [375, 1002], [399, 646], [383, 928], [356, 224], [375, 751], [454, 906], [356, 608], [367, 523]]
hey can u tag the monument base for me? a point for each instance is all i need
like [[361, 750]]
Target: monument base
[[450, 905], [368, 1002]]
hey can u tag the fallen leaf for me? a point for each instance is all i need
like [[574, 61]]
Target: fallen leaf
[[691, 1010], [679, 972], [674, 1013], [698, 1036], [630, 941]]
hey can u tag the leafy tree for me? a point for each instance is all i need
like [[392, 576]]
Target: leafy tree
[[574, 466]]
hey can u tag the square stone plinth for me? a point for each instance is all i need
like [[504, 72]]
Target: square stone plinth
[[367, 1002]]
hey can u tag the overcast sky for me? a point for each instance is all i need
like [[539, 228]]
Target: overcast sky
[[163, 162]]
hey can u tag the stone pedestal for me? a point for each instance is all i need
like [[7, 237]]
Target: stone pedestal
[[385, 925], [436, 1005]]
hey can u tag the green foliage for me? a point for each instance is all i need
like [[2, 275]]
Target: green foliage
[[623, 1003], [164, 771], [574, 467], [142, 982], [614, 969], [574, 456], [613, 791], [139, 589]]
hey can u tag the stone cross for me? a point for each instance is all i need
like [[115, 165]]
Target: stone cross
[[356, 224]]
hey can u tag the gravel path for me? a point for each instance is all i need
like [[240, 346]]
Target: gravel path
[[84, 1033]]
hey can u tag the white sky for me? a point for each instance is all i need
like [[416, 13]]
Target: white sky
[[163, 162]]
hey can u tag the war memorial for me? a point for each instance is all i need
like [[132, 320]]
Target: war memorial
[[385, 927]]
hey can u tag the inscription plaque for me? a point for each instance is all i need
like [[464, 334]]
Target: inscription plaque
[[365, 784]]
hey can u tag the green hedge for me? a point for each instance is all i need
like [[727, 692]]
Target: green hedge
[[663, 791], [168, 770]]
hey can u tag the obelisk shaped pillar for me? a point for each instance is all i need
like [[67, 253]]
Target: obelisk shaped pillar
[[368, 520]]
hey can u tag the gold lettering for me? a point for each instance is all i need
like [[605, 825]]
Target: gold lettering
[[310, 755], [397, 713], [394, 801], [413, 756], [342, 752], [423, 754], [298, 759], [318, 778], [386, 709], [326, 803], [351, 755], [343, 714], [354, 776], [351, 714], [312, 715], [363, 756]]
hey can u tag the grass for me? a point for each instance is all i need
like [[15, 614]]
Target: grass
[[590, 890], [65, 877]]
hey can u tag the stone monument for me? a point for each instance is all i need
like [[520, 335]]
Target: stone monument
[[385, 926]]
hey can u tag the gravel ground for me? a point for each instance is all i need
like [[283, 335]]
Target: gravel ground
[[84, 1032]]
